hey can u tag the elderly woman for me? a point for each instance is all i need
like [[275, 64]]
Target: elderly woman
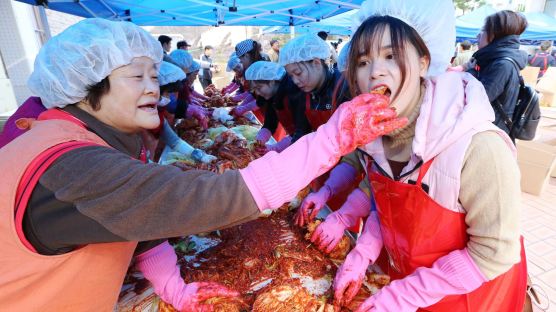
[[78, 197]]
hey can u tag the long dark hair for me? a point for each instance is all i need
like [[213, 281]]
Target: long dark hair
[[368, 38]]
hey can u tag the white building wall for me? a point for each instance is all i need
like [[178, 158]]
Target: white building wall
[[19, 44], [550, 8], [59, 21], [535, 5]]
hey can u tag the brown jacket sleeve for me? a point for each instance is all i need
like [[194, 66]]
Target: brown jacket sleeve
[[491, 195], [142, 202]]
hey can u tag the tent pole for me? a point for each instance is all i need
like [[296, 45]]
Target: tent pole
[[42, 23], [292, 32]]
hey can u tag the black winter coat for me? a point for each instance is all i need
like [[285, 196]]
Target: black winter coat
[[500, 77]]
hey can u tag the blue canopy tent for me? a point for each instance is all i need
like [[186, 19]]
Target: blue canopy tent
[[336, 25], [204, 12], [541, 26], [469, 25]]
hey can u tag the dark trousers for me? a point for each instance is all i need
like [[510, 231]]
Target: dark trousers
[[205, 82]]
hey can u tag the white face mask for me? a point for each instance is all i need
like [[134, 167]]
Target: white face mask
[[164, 101]]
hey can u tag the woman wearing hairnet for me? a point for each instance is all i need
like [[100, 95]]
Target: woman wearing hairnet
[[234, 65], [446, 185], [192, 73], [248, 52], [271, 84], [243, 96], [188, 100], [171, 79], [304, 59], [77, 195]]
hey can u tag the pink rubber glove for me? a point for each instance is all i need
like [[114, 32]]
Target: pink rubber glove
[[244, 108], [458, 68], [159, 266], [350, 275], [280, 146], [233, 88], [248, 97], [230, 88], [263, 135], [199, 105], [329, 233], [454, 274], [241, 96], [314, 203], [275, 178], [196, 101], [198, 113], [339, 179], [198, 95]]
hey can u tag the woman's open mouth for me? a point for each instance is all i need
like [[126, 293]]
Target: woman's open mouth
[[381, 89], [149, 107]]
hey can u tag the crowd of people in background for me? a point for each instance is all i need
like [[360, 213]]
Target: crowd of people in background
[[424, 147], [543, 57]]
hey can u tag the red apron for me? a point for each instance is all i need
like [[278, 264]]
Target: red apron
[[285, 117], [417, 231], [244, 82], [280, 132], [158, 130], [317, 118]]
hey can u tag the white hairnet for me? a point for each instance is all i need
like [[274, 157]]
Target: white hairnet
[[434, 20], [343, 57], [263, 70], [232, 62], [304, 48], [83, 55], [169, 73], [182, 58], [195, 66]]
